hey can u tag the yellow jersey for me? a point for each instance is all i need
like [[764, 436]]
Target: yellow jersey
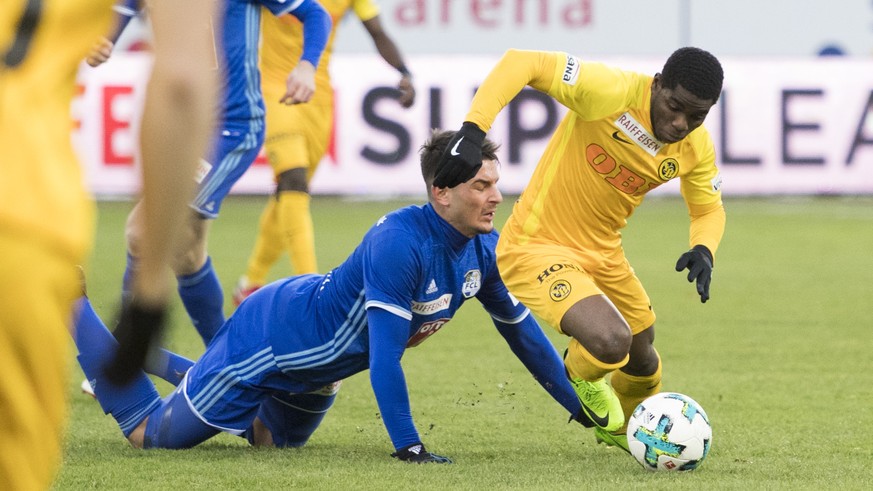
[[282, 44], [603, 158], [42, 193]]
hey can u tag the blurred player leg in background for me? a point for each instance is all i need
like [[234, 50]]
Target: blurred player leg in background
[[234, 146], [178, 120], [297, 139]]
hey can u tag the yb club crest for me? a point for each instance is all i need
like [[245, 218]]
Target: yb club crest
[[668, 169]]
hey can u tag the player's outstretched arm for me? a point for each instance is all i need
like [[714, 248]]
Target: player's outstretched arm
[[101, 51], [388, 338], [527, 340], [515, 70], [300, 84], [389, 51]]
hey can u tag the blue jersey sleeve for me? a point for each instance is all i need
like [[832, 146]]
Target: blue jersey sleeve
[[125, 11], [388, 336], [391, 266], [527, 340]]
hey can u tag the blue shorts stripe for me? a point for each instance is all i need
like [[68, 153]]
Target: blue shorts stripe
[[329, 351], [219, 390]]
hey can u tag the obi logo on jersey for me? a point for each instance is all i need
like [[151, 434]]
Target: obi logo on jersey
[[472, 283], [426, 330]]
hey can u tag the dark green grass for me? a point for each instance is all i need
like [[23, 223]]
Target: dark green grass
[[780, 358]]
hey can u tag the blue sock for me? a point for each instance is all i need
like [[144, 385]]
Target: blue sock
[[129, 404], [203, 299]]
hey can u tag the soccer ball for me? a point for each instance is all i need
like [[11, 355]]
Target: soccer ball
[[669, 432]]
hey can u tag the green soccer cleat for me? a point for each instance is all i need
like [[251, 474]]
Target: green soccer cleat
[[599, 404], [611, 439]]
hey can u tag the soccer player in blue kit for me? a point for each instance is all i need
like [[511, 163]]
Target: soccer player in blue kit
[[273, 369], [235, 145]]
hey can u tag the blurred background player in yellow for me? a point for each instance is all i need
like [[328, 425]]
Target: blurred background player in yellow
[[47, 216], [297, 137], [560, 252]]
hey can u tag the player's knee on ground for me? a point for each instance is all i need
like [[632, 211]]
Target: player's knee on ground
[[136, 436], [173, 425], [293, 180], [291, 419]]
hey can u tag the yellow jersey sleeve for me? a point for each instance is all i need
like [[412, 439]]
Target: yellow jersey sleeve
[[515, 70], [701, 189], [365, 9]]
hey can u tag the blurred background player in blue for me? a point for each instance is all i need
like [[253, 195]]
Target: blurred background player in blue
[[46, 215], [272, 371], [236, 142]]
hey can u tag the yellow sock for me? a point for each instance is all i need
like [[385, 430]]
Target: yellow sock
[[582, 364], [632, 390], [268, 245], [298, 237]]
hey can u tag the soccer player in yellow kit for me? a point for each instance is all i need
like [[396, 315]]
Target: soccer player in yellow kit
[[46, 215], [297, 137], [46, 226], [560, 251]]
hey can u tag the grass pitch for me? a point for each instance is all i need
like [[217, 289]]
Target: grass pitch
[[779, 358]]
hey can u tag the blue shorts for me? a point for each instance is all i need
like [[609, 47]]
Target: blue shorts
[[241, 367], [234, 149]]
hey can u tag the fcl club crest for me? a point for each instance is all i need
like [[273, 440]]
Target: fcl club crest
[[472, 283]]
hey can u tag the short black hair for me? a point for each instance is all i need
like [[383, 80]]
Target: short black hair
[[432, 151], [696, 70]]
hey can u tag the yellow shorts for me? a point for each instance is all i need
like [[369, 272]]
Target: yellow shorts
[[297, 136], [38, 288], [549, 279]]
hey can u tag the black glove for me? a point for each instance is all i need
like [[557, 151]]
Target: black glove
[[416, 454], [462, 157], [699, 263], [138, 328]]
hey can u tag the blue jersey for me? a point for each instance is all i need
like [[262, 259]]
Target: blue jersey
[[402, 284]]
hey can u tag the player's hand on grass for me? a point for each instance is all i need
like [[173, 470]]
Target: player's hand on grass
[[416, 454], [462, 157], [139, 327], [698, 261]]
